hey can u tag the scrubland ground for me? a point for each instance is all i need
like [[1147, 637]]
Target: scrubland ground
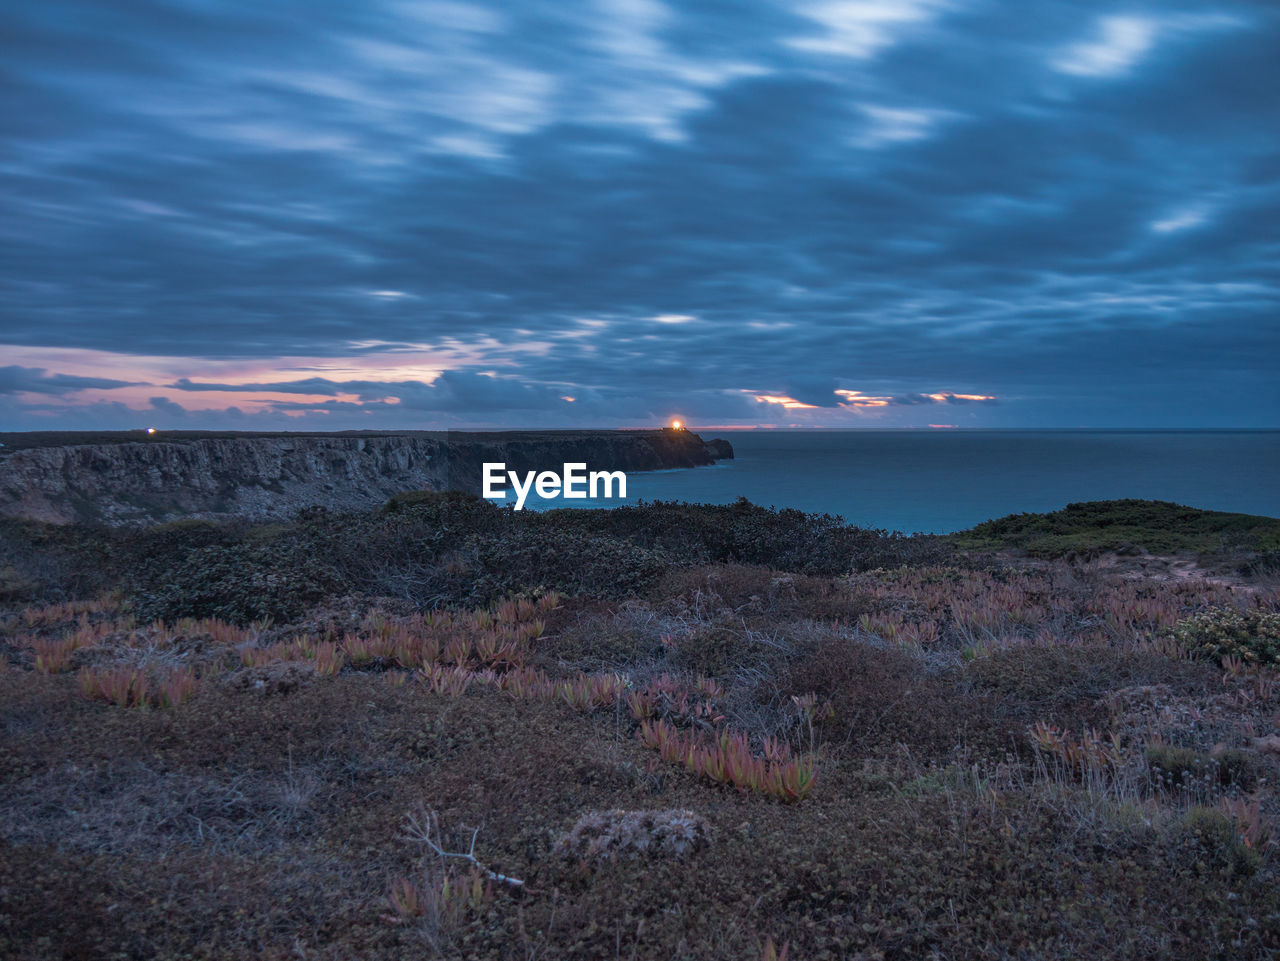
[[663, 732]]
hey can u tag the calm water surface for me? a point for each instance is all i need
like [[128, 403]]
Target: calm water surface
[[941, 481]]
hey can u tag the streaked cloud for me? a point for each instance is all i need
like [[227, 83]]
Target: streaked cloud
[[1183, 219], [781, 400], [858, 28], [1120, 42], [36, 380], [1117, 45], [442, 213], [893, 125]]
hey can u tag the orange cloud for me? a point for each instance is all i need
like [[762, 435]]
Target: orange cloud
[[790, 403], [151, 376], [856, 398]]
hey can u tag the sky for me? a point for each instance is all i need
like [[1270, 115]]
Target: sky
[[845, 213]]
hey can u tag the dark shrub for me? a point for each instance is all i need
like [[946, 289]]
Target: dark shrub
[[743, 533], [882, 699], [235, 583], [1262, 565], [41, 563], [1213, 840], [570, 562], [1093, 526], [718, 652], [452, 548], [755, 590], [1063, 684], [438, 502], [181, 536], [1178, 766]]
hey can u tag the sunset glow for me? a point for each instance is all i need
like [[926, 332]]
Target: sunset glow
[[788, 403], [856, 398]]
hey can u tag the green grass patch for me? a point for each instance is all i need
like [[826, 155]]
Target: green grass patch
[[1156, 526]]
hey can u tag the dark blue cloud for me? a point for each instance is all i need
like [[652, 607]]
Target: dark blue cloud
[[452, 390], [653, 208], [35, 380]]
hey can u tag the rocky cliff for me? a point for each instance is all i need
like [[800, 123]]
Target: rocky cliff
[[128, 478]]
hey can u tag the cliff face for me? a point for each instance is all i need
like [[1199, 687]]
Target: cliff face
[[275, 476], [611, 450]]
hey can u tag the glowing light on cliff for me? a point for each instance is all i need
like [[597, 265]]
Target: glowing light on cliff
[[151, 430], [676, 425]]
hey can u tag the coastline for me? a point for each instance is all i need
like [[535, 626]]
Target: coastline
[[125, 478]]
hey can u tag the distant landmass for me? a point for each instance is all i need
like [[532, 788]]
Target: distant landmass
[[132, 477]]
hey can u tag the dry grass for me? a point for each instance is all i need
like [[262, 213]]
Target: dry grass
[[982, 758]]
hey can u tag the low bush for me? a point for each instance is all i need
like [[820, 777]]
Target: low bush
[[530, 560], [600, 835], [234, 583], [743, 533], [1094, 526], [1044, 680], [717, 651], [1261, 565], [439, 549], [1252, 637], [1179, 766], [881, 698], [1216, 841], [757, 591]]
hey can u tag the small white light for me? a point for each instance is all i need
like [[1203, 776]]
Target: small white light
[[151, 430]]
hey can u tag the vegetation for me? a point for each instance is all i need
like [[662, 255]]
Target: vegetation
[[1153, 526], [446, 730], [1252, 637]]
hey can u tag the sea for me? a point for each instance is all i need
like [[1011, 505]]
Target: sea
[[939, 481]]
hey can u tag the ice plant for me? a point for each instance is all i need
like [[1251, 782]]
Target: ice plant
[[406, 899], [457, 651], [445, 900], [122, 686], [329, 659], [53, 657], [642, 705], [728, 759], [359, 650], [261, 656], [1091, 754], [709, 687], [525, 683], [450, 681], [176, 686]]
